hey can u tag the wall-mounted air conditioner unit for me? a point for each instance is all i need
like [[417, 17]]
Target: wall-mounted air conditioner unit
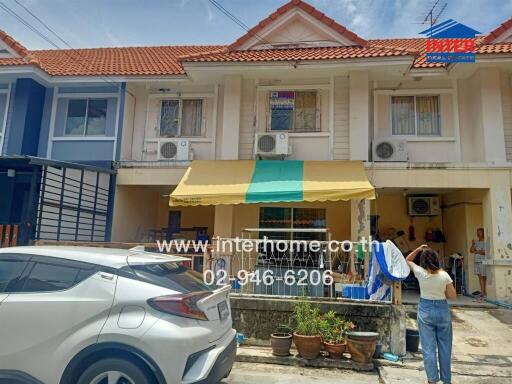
[[271, 144], [174, 149], [389, 149], [424, 206]]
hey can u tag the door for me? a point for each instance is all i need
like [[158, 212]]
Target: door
[[173, 224], [58, 307]]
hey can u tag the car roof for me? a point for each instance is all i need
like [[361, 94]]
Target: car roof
[[108, 257]]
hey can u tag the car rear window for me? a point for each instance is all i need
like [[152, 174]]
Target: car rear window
[[9, 272], [171, 275]]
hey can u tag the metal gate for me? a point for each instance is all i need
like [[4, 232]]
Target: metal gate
[[75, 204], [9, 235]]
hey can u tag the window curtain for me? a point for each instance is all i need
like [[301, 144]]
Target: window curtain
[[402, 115], [427, 112], [169, 118], [305, 112], [192, 118]]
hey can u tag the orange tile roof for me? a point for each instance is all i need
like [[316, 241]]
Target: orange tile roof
[[129, 61], [495, 48], [493, 35], [13, 44], [416, 44], [331, 23], [297, 54], [419, 45], [166, 60]]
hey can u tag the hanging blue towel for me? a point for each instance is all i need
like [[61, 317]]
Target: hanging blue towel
[[387, 264]]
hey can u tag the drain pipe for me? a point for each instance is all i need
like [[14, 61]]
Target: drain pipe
[[499, 303], [495, 302]]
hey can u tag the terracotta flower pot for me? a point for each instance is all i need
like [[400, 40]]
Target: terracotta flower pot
[[361, 351], [335, 349], [281, 343], [308, 346]]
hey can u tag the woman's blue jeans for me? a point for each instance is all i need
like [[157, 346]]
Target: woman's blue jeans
[[435, 327]]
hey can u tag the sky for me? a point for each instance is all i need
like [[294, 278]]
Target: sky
[[100, 23]]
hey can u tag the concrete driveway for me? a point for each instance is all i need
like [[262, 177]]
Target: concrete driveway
[[482, 350], [249, 373], [482, 354]]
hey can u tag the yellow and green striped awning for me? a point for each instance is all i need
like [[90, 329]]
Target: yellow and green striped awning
[[215, 182]]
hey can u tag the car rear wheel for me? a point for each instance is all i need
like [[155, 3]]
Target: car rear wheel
[[115, 371]]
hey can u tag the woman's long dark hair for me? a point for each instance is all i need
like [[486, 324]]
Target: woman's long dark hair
[[429, 260]]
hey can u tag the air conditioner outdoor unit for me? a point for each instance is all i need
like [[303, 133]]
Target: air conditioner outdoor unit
[[424, 206], [271, 144], [174, 149], [389, 149]]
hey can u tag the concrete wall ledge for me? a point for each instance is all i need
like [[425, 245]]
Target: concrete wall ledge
[[259, 316], [286, 304]]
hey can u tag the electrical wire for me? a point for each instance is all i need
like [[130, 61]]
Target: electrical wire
[[14, 14], [238, 22]]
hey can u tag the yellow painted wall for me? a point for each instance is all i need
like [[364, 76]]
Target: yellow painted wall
[[141, 208], [392, 211], [190, 217], [463, 214], [135, 212]]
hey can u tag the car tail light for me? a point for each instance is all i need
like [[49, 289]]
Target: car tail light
[[183, 305]]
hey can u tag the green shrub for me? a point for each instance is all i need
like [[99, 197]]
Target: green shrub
[[306, 319], [334, 329]]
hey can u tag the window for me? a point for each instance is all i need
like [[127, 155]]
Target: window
[[294, 111], [56, 276], [172, 276], [10, 270], [415, 115], [86, 117], [293, 218], [181, 118]]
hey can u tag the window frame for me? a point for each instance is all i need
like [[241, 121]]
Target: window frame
[[3, 119], [318, 111], [180, 116], [86, 116], [292, 216], [415, 96]]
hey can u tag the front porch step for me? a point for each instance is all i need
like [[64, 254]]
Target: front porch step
[[263, 355]]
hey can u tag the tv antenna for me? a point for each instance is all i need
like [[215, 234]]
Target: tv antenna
[[434, 13]]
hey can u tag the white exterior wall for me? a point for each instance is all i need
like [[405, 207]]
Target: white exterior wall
[[492, 115], [470, 115], [341, 142], [247, 119], [142, 116], [304, 146], [444, 148], [506, 101], [359, 115]]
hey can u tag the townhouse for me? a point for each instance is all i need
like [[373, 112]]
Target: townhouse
[[59, 135], [432, 142]]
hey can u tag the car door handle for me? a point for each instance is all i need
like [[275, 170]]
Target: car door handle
[[105, 275]]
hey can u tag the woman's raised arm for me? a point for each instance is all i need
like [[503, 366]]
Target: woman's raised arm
[[411, 256]]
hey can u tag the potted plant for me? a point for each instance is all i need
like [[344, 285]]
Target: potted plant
[[307, 337], [333, 330], [281, 341]]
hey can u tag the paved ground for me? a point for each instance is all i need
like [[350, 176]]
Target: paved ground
[[249, 373], [482, 350], [482, 354], [413, 297]]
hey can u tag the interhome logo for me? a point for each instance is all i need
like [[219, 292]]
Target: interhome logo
[[450, 42]]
